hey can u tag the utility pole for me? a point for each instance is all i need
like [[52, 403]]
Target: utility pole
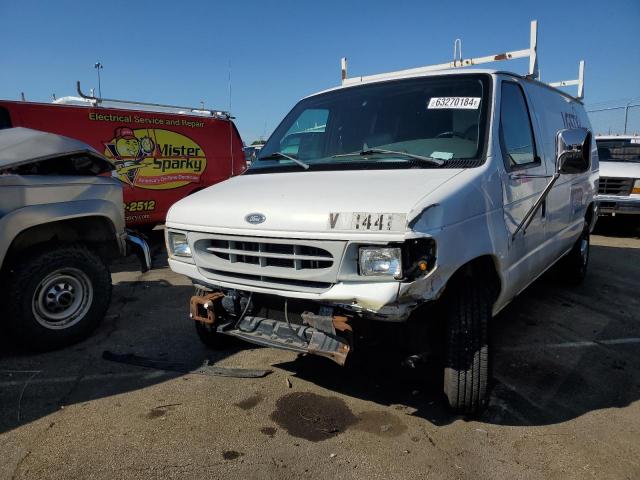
[[626, 115], [98, 66]]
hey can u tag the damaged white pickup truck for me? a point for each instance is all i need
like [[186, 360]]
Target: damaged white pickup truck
[[376, 200]]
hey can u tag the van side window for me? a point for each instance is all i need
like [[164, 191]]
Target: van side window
[[516, 133]]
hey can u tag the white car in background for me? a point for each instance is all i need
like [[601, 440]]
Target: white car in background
[[619, 188]]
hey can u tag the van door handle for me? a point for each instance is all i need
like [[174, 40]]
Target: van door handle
[[543, 208]]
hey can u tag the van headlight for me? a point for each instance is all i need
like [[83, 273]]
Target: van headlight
[[636, 186], [177, 244], [380, 261]]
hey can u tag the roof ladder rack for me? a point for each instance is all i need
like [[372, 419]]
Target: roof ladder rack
[[97, 101], [531, 53], [458, 62], [579, 82]]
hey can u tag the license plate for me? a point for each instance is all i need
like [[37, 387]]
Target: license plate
[[367, 221], [372, 221]]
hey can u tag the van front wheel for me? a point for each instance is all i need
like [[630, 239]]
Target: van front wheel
[[466, 372]]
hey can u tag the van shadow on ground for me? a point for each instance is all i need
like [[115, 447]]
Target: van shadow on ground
[[538, 378], [540, 374]]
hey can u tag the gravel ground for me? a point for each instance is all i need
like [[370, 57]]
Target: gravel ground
[[565, 400]]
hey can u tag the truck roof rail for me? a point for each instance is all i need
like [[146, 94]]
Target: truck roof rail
[[458, 62], [182, 110]]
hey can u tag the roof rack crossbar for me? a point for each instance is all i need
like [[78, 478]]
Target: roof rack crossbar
[[458, 61], [97, 101], [578, 81]]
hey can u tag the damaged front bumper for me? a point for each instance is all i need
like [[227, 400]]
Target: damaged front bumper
[[326, 335], [374, 298], [390, 301]]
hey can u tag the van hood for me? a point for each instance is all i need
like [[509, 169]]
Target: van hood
[[303, 201], [620, 169]]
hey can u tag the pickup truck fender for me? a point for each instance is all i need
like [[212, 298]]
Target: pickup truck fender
[[31, 216]]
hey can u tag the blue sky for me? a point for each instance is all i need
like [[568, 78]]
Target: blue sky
[[179, 52]]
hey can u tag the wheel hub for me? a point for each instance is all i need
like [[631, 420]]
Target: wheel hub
[[62, 298], [59, 297]]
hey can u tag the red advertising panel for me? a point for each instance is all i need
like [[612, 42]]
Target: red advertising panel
[[159, 157]]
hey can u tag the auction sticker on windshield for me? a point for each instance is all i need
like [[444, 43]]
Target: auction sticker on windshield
[[469, 103], [382, 222]]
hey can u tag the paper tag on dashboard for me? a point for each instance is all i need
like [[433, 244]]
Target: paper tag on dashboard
[[467, 103]]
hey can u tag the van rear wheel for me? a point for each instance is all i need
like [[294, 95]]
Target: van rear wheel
[[466, 372], [574, 265]]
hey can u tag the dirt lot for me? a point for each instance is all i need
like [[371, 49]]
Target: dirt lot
[[565, 402]]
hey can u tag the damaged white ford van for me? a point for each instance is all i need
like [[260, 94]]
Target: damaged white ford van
[[375, 200]]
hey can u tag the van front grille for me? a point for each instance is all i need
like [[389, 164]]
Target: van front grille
[[265, 254], [278, 263], [615, 186]]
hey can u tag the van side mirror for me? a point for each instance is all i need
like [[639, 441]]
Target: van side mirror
[[573, 150]]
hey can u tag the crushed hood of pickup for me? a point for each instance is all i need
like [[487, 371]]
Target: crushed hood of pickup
[[27, 151], [307, 201]]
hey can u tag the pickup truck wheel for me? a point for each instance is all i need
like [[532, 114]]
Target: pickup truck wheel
[[575, 264], [466, 372], [208, 334], [59, 295]]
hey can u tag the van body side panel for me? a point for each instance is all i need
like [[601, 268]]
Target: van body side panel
[[569, 198], [160, 157]]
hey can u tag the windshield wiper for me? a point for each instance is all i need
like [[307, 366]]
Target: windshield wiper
[[273, 155], [373, 151]]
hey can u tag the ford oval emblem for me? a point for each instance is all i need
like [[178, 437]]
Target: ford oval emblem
[[255, 218]]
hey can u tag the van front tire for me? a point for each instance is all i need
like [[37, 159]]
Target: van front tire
[[466, 372]]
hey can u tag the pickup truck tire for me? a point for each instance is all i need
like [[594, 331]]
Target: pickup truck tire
[[59, 295], [574, 266], [208, 334], [466, 373]]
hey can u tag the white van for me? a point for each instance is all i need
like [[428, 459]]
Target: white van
[[619, 186], [377, 200]]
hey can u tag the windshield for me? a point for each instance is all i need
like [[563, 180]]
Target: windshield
[[619, 150], [384, 125]]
